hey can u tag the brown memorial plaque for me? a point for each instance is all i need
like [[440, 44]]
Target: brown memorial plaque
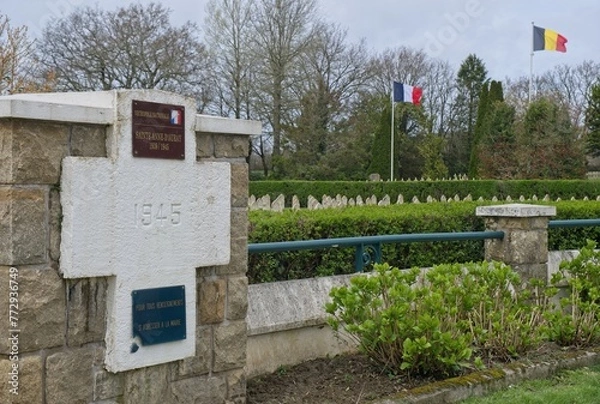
[[158, 130]]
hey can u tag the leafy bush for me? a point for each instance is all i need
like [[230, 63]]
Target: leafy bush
[[431, 322], [305, 224], [398, 323], [360, 221], [577, 323], [505, 316]]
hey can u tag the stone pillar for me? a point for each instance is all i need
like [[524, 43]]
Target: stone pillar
[[59, 325], [525, 243], [39, 322]]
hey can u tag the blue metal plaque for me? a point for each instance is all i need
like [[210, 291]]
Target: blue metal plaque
[[159, 314]]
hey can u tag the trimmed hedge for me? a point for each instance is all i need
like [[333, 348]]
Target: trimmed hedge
[[487, 189], [292, 225]]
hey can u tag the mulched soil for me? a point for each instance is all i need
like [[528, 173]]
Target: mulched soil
[[341, 379], [351, 378]]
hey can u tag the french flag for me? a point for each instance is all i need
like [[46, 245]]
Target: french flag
[[406, 93], [176, 117]]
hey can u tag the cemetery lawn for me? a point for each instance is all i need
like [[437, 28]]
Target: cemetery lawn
[[355, 379], [579, 386]]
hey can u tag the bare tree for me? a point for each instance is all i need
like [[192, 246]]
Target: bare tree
[[228, 32], [516, 93], [284, 29], [439, 95], [18, 65], [331, 72], [570, 87], [338, 67], [403, 64], [132, 47]]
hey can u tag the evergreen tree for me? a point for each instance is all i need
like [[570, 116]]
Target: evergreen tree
[[549, 147], [592, 122], [496, 92], [471, 76], [380, 151], [409, 133], [496, 149], [431, 150], [491, 93], [482, 111], [409, 124]]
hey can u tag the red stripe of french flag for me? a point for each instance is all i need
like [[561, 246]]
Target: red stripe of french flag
[[406, 93]]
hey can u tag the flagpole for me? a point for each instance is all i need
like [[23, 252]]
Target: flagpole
[[392, 137], [531, 63]]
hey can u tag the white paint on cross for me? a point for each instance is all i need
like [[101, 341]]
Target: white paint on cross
[[145, 223]]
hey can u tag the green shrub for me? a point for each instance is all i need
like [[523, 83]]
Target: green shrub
[[360, 221], [292, 225], [504, 315], [398, 323], [431, 322], [577, 321]]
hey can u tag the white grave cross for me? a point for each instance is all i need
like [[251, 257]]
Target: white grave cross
[[145, 223]]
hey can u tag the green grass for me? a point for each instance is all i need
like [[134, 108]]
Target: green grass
[[581, 386]]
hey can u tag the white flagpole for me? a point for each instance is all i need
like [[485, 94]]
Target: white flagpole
[[392, 137], [531, 63]]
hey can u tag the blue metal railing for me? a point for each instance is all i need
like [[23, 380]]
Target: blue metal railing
[[368, 248], [554, 224]]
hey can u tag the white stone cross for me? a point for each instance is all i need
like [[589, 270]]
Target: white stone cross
[[145, 223]]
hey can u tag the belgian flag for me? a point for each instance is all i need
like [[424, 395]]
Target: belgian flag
[[546, 39]]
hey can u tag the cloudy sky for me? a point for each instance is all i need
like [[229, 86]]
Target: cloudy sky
[[498, 31]]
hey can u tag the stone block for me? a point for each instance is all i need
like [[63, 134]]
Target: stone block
[[519, 223], [238, 264], [200, 363], [495, 250], [231, 146], [107, 385], [86, 310], [203, 389], [237, 298], [239, 185], [148, 385], [230, 346], [239, 255], [527, 272], [239, 223], [88, 141], [204, 145], [236, 385], [6, 155], [41, 311], [211, 301], [69, 376], [37, 149], [29, 379], [23, 225], [526, 247], [54, 224]]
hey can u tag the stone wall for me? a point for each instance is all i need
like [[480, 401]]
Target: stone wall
[[287, 323], [61, 323]]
